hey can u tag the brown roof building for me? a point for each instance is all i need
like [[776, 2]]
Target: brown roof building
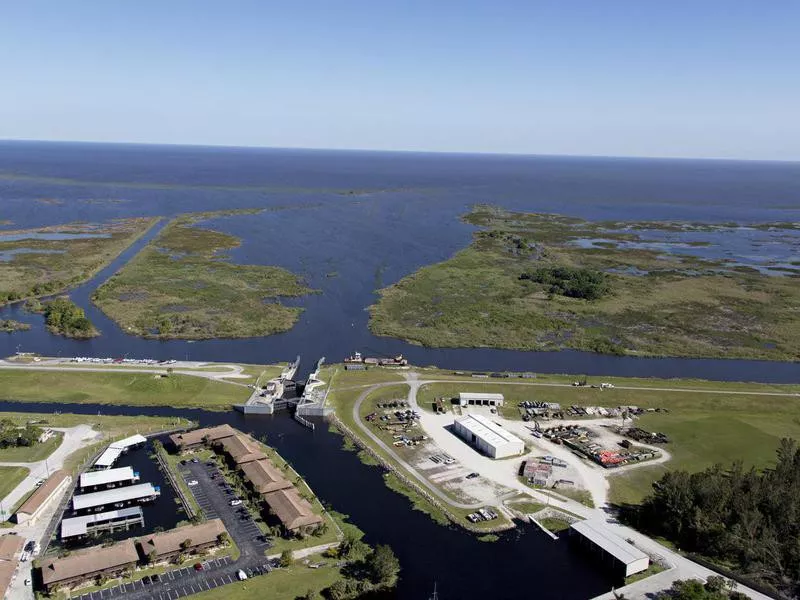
[[241, 450], [87, 564], [192, 439], [39, 499], [10, 548], [264, 477], [294, 512], [169, 544]]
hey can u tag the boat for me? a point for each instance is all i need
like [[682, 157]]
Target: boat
[[355, 358]]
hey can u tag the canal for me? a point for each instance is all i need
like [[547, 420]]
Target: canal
[[523, 563]]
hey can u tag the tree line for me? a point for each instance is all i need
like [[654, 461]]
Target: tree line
[[573, 282], [744, 519]]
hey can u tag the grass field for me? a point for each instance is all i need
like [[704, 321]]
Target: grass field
[[11, 477], [131, 389], [55, 265], [680, 306], [182, 286], [31, 453], [283, 584]]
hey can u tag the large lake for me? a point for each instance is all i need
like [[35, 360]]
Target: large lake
[[370, 219], [351, 222]]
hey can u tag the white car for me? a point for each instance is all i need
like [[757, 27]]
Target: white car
[[236, 502], [192, 482], [241, 574]]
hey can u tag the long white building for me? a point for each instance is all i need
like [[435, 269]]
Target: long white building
[[108, 478], [488, 437], [598, 536], [117, 497], [104, 521]]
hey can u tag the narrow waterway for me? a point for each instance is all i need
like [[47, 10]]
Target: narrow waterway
[[524, 563]]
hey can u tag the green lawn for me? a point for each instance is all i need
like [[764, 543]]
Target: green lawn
[[130, 389], [11, 477], [32, 453], [283, 584]]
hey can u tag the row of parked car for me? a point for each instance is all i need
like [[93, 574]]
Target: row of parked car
[[482, 514]]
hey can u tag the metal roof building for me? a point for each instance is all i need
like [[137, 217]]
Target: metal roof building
[[117, 496], [480, 399], [112, 519], [108, 478], [134, 440], [611, 546], [488, 437], [108, 458]]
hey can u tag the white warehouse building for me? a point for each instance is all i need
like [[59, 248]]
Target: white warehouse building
[[480, 399], [488, 437]]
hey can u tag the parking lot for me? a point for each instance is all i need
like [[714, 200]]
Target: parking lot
[[212, 497]]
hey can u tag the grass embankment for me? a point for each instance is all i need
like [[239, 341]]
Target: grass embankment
[[172, 461], [11, 477], [37, 452], [708, 422], [343, 397], [182, 286], [282, 584], [128, 389], [657, 304], [41, 267]]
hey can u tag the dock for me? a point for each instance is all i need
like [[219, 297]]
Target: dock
[[110, 521]]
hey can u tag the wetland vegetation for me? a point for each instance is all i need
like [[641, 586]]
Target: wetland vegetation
[[10, 326], [547, 282], [181, 285], [49, 260]]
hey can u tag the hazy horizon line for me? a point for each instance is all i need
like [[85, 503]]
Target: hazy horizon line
[[402, 151]]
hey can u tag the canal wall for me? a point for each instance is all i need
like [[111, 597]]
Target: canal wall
[[407, 481]]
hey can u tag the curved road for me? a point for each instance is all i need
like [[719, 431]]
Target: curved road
[[680, 567]]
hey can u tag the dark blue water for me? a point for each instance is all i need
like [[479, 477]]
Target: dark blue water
[[524, 563], [370, 218]]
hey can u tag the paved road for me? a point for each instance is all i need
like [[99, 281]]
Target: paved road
[[680, 567], [216, 572], [75, 438], [182, 368]]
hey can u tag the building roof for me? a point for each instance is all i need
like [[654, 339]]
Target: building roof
[[90, 560], [241, 449], [108, 457], [488, 431], [108, 476], [129, 441], [7, 570], [292, 510], [169, 542], [600, 534], [43, 493], [122, 494], [480, 396], [264, 476], [192, 438], [10, 546], [80, 525]]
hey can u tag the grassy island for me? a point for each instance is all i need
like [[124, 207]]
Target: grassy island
[[181, 285], [548, 282], [10, 326], [49, 260]]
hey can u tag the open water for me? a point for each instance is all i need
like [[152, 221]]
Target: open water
[[372, 218]]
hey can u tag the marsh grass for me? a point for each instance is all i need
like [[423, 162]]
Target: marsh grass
[[181, 285], [682, 306]]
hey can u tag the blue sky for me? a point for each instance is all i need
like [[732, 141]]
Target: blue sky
[[688, 78]]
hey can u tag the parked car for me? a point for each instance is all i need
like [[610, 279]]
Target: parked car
[[155, 577], [198, 566], [241, 575], [472, 476], [194, 460], [235, 502], [192, 482]]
